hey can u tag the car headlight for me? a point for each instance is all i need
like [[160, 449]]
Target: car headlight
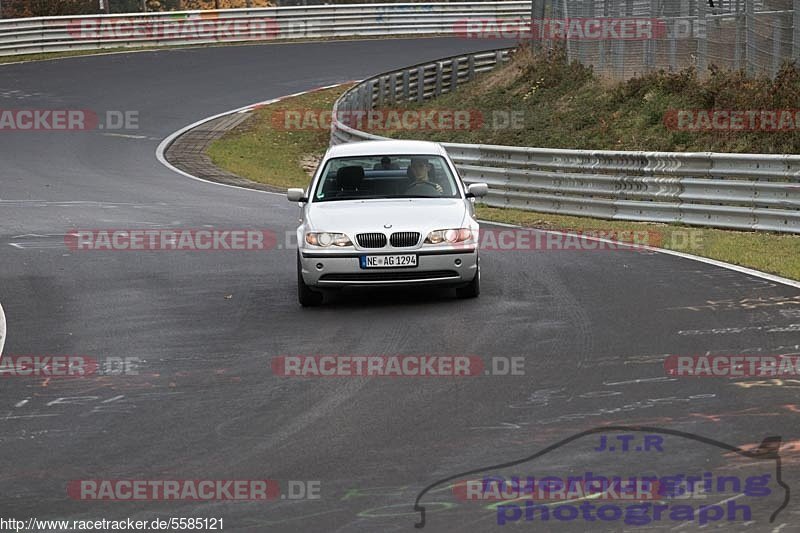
[[325, 239], [449, 236]]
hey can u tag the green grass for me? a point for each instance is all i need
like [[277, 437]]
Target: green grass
[[260, 152], [769, 252], [565, 105]]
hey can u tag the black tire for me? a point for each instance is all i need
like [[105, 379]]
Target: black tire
[[472, 290], [307, 296]]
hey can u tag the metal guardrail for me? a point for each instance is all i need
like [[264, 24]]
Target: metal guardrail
[[437, 78], [735, 191], [58, 34]]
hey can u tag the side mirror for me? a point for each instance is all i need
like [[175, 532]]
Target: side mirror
[[477, 190], [296, 195]]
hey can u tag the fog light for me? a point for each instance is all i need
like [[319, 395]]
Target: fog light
[[458, 262], [320, 266]]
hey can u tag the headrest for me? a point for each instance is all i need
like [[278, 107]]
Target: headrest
[[350, 177]]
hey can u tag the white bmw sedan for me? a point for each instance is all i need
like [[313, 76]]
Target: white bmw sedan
[[382, 213]]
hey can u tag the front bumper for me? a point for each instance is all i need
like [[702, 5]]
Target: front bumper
[[434, 267]]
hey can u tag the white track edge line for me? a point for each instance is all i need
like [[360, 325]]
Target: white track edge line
[[162, 147], [714, 262], [2, 330]]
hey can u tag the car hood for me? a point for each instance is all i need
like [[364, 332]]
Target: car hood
[[406, 214]]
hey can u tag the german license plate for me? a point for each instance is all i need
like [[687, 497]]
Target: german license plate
[[389, 261]]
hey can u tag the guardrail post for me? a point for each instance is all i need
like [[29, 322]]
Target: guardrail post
[[537, 16], [393, 88], [673, 52], [366, 98], [421, 84], [796, 30], [652, 44], [381, 90], [373, 98], [737, 50], [589, 47], [406, 84], [580, 44], [777, 34], [618, 47], [454, 74], [471, 66], [749, 33], [438, 89], [702, 37], [601, 44], [566, 15]]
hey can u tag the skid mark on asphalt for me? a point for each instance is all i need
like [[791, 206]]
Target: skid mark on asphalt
[[743, 329], [127, 136], [83, 405], [544, 398], [41, 244], [790, 454], [727, 279], [34, 435], [529, 411], [788, 383], [326, 406], [16, 94], [744, 303], [661, 379]]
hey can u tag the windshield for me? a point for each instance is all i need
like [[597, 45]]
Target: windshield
[[387, 176]]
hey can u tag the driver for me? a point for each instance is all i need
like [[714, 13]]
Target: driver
[[418, 171]]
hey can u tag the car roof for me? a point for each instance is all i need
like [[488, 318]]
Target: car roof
[[373, 148]]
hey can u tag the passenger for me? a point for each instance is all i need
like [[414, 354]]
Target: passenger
[[386, 164]]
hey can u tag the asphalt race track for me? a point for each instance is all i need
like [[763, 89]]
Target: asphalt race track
[[593, 329]]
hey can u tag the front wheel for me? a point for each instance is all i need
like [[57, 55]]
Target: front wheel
[[473, 289], [307, 296]]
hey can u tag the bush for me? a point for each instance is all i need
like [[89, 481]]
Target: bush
[[567, 106]]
